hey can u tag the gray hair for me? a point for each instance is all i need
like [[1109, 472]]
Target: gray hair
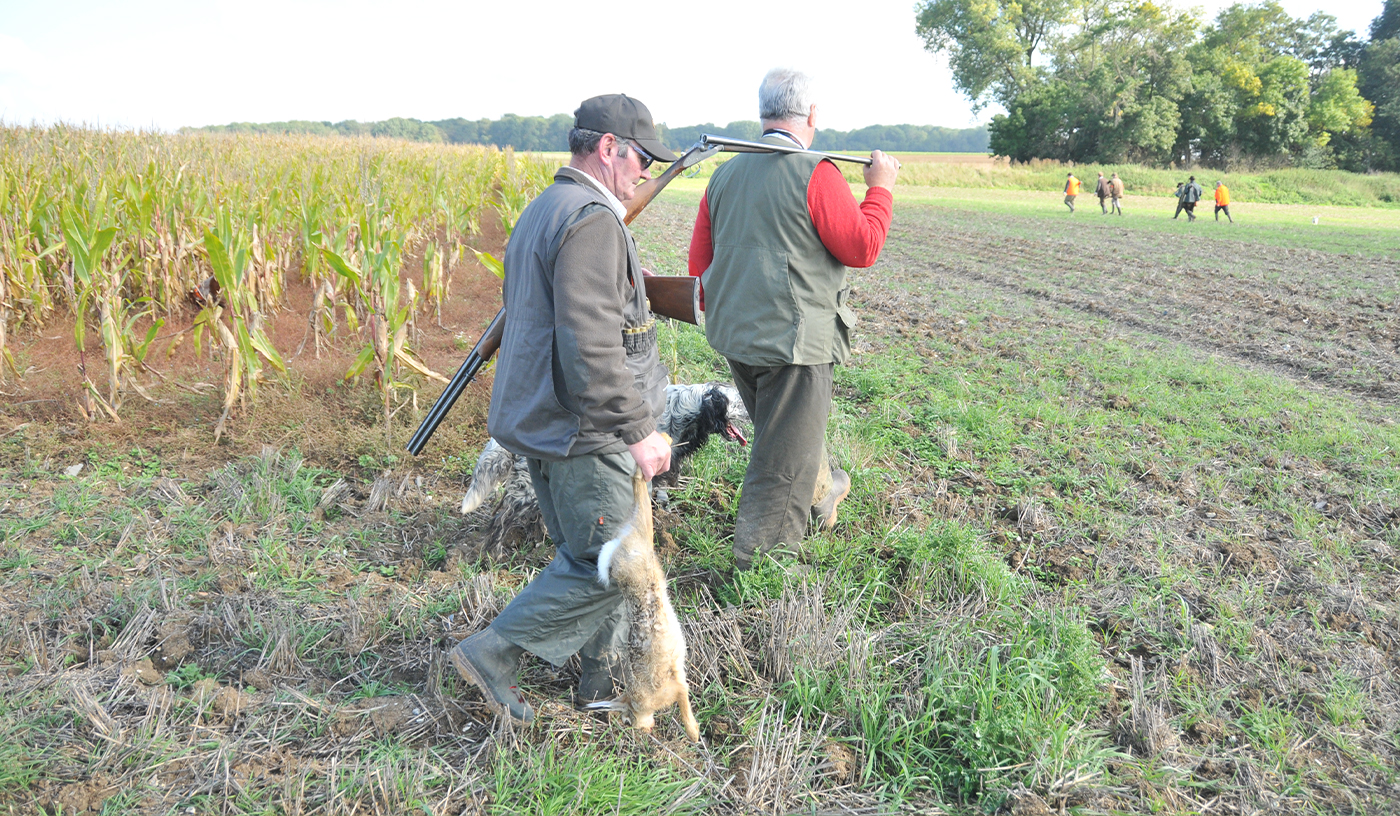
[[784, 96], [584, 142]]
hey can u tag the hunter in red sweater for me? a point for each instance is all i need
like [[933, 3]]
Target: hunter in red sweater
[[772, 240], [854, 232]]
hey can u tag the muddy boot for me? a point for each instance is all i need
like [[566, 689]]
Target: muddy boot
[[492, 662], [824, 511], [595, 682]]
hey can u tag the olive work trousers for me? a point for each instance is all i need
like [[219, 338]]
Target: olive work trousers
[[586, 501], [788, 470]]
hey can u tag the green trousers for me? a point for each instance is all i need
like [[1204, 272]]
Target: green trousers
[[788, 470], [586, 501]]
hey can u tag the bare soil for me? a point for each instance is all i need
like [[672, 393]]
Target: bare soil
[[306, 409], [1319, 318]]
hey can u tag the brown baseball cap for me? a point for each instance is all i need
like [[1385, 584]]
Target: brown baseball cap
[[621, 115]]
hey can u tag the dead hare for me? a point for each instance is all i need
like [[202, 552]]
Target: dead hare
[[655, 659]]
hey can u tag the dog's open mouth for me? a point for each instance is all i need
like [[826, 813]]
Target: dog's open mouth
[[733, 435]]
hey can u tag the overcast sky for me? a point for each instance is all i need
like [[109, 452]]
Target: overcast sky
[[168, 63]]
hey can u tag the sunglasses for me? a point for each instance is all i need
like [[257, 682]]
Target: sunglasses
[[643, 158]]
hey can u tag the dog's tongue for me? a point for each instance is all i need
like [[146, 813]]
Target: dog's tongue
[[734, 434]]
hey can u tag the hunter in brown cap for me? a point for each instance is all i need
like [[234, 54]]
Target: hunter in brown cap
[[578, 391]]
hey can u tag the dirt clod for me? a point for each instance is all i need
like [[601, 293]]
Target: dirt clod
[[1026, 803], [224, 700], [172, 641], [144, 671], [386, 715], [88, 796], [840, 762]]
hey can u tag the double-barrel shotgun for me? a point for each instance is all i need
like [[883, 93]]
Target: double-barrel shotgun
[[676, 297]]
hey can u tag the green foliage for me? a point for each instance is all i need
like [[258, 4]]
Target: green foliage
[[121, 231], [1127, 81], [551, 134], [912, 138], [19, 765], [991, 46], [585, 779], [1378, 77], [185, 676], [989, 695], [1337, 106], [265, 489]]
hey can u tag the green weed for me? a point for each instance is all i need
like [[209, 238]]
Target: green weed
[[584, 779]]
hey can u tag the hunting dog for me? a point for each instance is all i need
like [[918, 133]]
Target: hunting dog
[[693, 414]]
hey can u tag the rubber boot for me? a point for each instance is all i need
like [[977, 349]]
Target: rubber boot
[[824, 511], [596, 681], [492, 663]]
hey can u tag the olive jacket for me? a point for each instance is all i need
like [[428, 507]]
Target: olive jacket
[[774, 294]]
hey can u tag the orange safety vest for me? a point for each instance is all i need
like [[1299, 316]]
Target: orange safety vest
[[1222, 196], [1072, 186]]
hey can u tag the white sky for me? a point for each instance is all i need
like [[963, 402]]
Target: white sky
[[168, 63]]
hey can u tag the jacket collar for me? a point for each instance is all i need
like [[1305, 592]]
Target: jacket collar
[[579, 177], [783, 134]]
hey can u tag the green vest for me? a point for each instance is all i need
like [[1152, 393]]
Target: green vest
[[774, 295]]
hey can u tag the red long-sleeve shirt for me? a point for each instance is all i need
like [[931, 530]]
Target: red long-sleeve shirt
[[852, 232]]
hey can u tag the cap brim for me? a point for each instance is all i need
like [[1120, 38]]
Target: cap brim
[[657, 150]]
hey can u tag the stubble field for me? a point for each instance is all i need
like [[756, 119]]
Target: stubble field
[[1123, 538]]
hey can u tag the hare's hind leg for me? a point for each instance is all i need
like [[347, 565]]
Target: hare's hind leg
[[692, 728]]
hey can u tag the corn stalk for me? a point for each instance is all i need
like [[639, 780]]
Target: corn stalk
[[92, 283], [387, 322], [111, 228], [242, 339]]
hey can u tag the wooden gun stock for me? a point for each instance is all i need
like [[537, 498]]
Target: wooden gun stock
[[677, 298], [648, 190]]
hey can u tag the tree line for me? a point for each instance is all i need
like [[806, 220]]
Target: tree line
[[551, 133], [1139, 81]]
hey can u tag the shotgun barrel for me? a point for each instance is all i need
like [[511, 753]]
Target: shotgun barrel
[[729, 145], [679, 301], [484, 350]]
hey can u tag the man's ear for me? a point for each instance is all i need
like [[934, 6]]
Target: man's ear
[[812, 116], [607, 147]]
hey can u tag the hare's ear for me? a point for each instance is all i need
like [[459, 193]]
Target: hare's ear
[[607, 705]]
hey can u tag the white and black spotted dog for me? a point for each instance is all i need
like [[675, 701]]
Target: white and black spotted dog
[[693, 414]]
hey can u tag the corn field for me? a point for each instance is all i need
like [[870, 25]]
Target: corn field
[[145, 241]]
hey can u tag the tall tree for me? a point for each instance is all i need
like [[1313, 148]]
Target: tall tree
[[1125, 66], [991, 44], [1337, 106], [1387, 25], [1037, 124], [1379, 82], [1323, 46], [1270, 88]]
